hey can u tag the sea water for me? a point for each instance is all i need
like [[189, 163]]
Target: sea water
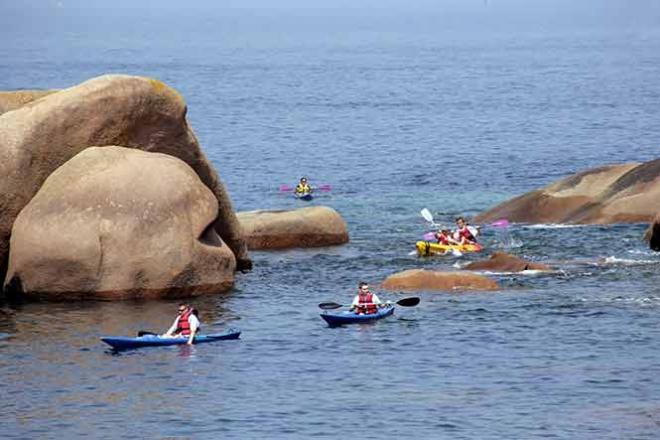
[[450, 105]]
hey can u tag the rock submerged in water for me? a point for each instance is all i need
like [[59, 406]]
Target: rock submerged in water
[[300, 228], [611, 194], [503, 262], [119, 223], [420, 279], [130, 111]]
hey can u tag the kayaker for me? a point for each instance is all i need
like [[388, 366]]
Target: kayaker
[[186, 324], [463, 235], [444, 237], [365, 302], [303, 187]]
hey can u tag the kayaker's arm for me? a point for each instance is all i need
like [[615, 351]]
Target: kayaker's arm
[[192, 336], [452, 240], [194, 327], [172, 329], [377, 300]]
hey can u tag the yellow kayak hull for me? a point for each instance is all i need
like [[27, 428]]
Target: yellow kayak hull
[[430, 248]]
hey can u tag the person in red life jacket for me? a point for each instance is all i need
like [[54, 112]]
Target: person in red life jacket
[[463, 235], [444, 237], [365, 302], [186, 324]]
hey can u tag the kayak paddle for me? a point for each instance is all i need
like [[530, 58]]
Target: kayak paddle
[[428, 216], [326, 187], [501, 223], [404, 302]]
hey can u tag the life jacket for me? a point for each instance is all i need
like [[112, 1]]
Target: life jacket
[[303, 188], [366, 304], [465, 232], [183, 326], [442, 239]]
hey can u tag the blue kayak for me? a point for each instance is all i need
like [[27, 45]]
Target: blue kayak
[[350, 317], [306, 197], [125, 342]]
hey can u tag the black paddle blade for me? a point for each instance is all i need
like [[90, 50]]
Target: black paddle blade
[[144, 333], [409, 302], [329, 306]]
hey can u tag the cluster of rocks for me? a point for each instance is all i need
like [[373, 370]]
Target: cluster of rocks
[[105, 193], [471, 277], [628, 193]]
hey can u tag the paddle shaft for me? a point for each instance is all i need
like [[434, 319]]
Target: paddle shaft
[[404, 302], [325, 188]]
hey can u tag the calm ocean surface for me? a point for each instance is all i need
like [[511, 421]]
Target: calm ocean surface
[[449, 105]]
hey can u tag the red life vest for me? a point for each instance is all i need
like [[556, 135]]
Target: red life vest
[[366, 304], [465, 232], [183, 326], [442, 239]]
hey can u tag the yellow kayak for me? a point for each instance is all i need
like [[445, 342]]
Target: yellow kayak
[[430, 248]]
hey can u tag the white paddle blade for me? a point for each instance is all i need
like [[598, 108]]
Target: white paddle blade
[[427, 215], [456, 253]]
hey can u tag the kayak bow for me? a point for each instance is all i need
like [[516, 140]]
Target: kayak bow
[[425, 248]]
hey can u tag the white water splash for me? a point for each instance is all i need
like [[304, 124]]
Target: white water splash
[[552, 226], [612, 260], [508, 243], [528, 272], [645, 252]]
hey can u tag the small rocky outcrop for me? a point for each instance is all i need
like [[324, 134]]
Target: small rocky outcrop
[[420, 279], [118, 223], [652, 234], [503, 262], [12, 100], [611, 194], [301, 228], [130, 111]]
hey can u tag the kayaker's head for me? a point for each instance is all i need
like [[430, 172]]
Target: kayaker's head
[[303, 180], [444, 232], [182, 308], [460, 222], [363, 287]]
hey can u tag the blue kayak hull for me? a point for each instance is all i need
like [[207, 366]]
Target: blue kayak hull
[[305, 197], [124, 342], [348, 317]]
